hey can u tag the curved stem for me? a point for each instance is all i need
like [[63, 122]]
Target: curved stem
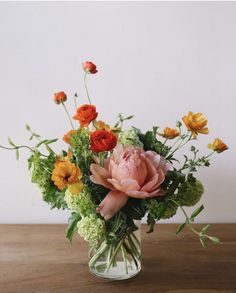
[[86, 88], [187, 218], [68, 115], [20, 147]]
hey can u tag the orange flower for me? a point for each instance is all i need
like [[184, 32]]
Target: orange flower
[[169, 133], [218, 146], [196, 123], [60, 97], [100, 125], [90, 67], [68, 135], [85, 114], [65, 173], [102, 140]]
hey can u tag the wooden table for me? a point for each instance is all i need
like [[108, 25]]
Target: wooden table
[[38, 258]]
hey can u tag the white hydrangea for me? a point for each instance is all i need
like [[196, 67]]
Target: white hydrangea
[[130, 138]]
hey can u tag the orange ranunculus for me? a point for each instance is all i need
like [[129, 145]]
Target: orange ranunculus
[[102, 140], [100, 125], [60, 97], [65, 173], [90, 67], [196, 123], [85, 114], [68, 135], [218, 145], [169, 132]]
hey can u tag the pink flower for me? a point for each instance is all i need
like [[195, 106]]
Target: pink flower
[[128, 172]]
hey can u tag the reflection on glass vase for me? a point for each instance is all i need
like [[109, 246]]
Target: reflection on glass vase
[[118, 259]]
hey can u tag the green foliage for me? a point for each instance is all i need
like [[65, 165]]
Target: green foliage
[[41, 169], [81, 149], [72, 225], [191, 164], [134, 208], [150, 142], [92, 229], [82, 202], [180, 228], [172, 181], [190, 192], [157, 210]]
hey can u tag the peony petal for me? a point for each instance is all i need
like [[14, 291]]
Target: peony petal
[[100, 175], [112, 203], [153, 183], [129, 185], [137, 194], [154, 158], [115, 183], [157, 192]]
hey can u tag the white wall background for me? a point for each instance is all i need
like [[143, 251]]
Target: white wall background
[[155, 60]]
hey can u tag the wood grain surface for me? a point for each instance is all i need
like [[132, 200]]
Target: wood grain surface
[[38, 258]]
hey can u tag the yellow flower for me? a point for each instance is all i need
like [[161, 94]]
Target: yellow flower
[[67, 136], [218, 146], [169, 132], [196, 123], [76, 188], [65, 173], [100, 125]]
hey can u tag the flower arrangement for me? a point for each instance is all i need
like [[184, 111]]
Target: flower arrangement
[[109, 178]]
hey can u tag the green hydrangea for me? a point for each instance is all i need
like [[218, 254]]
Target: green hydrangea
[[171, 209], [190, 192], [130, 137], [92, 228], [81, 203]]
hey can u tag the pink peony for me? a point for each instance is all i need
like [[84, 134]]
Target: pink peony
[[128, 172]]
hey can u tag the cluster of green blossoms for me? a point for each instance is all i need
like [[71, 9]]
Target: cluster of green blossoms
[[190, 192], [81, 202], [92, 229], [130, 137], [90, 226]]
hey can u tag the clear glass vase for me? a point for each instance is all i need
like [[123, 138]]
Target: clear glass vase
[[117, 260]]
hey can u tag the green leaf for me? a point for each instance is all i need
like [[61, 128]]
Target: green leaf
[[180, 228], [17, 154], [11, 142], [27, 127], [178, 124], [203, 241], [129, 117], [215, 240], [40, 143], [197, 211], [204, 229], [72, 225], [51, 141]]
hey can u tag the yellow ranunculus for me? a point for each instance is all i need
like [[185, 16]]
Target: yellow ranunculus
[[76, 188], [218, 146], [196, 123], [169, 132]]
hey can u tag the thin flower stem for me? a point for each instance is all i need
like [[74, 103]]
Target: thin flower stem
[[125, 258], [86, 88], [189, 224], [180, 145], [68, 115], [20, 147], [209, 155], [75, 101]]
